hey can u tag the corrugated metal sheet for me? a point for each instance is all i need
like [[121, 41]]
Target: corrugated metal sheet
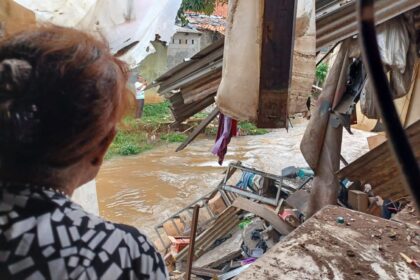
[[322, 4], [192, 85], [203, 53], [379, 169], [340, 22]]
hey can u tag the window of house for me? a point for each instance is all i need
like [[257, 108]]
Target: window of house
[[180, 41], [186, 41], [192, 42]]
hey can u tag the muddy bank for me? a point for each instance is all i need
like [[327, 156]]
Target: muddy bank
[[143, 190]]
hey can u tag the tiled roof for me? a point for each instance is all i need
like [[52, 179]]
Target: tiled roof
[[187, 30], [205, 22]]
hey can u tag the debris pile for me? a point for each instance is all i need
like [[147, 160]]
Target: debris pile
[[250, 212], [339, 243], [362, 198], [243, 218]]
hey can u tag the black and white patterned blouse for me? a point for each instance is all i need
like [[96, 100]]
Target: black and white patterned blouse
[[44, 235]]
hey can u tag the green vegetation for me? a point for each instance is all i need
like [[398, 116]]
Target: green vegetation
[[128, 143], [321, 73], [133, 135], [174, 137], [156, 114], [137, 136], [248, 128]]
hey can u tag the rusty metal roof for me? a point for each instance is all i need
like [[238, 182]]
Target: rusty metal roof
[[337, 20]]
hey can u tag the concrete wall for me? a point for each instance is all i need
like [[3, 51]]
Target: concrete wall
[[209, 37], [152, 67], [155, 64], [183, 45]]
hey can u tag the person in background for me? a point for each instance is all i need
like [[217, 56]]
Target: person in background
[[140, 86], [61, 96]]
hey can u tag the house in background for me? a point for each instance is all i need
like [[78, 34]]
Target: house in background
[[185, 43], [201, 32]]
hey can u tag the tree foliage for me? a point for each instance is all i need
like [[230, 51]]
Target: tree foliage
[[321, 73], [201, 6]]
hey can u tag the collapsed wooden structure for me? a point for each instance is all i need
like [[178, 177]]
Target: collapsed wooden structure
[[192, 85]]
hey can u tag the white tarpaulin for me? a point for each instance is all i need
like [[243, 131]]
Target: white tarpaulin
[[122, 23]]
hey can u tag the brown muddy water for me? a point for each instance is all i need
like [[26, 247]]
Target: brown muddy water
[[145, 189]]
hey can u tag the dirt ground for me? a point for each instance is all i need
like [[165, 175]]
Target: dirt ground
[[364, 247]]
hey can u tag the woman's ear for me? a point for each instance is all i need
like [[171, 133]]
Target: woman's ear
[[99, 154]]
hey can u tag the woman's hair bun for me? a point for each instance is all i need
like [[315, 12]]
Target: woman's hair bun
[[14, 75]]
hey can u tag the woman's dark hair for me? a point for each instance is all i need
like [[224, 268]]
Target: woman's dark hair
[[61, 94]]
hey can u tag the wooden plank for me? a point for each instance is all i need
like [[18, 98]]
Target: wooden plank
[[263, 212], [199, 129], [276, 62], [378, 167], [225, 252], [195, 66], [203, 82], [184, 112], [375, 141], [194, 77], [207, 272], [180, 67], [191, 246], [201, 92], [224, 220]]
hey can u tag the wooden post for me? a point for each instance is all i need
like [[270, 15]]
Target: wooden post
[[276, 62], [192, 242]]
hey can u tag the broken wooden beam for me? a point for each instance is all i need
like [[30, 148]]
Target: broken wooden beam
[[191, 248], [199, 129], [206, 272]]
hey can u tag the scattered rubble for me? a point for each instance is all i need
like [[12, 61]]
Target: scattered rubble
[[260, 232]]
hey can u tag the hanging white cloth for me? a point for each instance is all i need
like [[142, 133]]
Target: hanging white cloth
[[122, 23]]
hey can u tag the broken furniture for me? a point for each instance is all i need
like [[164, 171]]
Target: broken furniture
[[274, 182], [213, 209], [240, 222]]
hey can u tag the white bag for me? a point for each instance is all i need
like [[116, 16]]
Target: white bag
[[238, 93]]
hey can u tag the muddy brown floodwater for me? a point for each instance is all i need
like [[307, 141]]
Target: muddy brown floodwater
[[143, 190]]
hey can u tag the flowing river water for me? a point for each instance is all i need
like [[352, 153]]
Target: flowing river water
[[145, 189]]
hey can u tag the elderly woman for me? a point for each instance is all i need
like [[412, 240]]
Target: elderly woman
[[61, 96]]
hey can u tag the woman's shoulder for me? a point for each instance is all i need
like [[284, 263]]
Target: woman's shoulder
[[123, 246]]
